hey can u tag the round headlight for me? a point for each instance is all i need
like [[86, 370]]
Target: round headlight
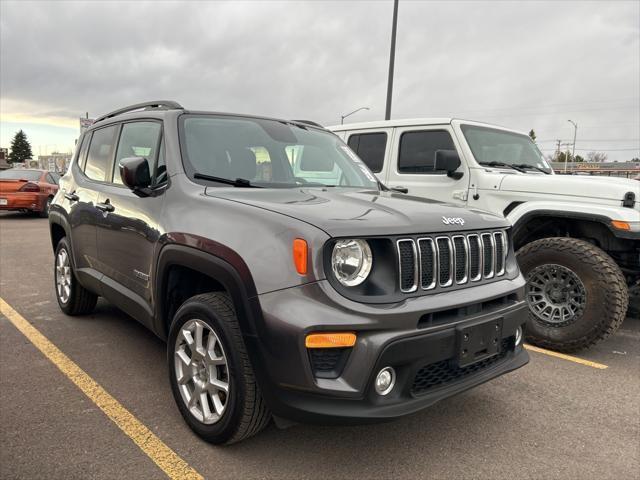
[[351, 261]]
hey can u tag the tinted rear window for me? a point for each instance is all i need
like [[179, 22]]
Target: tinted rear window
[[17, 174], [100, 153], [370, 147]]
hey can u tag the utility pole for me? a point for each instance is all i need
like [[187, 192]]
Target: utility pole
[[575, 132], [392, 58], [558, 150]]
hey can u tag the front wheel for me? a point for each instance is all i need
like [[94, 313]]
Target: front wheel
[[576, 293], [211, 377]]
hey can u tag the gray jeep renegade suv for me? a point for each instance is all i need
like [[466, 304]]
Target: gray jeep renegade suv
[[287, 281]]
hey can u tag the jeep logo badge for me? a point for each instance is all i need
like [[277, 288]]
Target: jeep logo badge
[[452, 220]]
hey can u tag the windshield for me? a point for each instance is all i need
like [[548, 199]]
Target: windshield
[[490, 145], [269, 153], [18, 174]]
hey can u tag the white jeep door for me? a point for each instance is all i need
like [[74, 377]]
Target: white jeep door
[[411, 164]]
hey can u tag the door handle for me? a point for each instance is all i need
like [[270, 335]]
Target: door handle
[[105, 207], [72, 197]]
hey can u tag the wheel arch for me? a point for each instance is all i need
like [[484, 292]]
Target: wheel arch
[[183, 271], [58, 228], [537, 224]]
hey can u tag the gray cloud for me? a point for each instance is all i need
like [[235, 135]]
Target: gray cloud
[[522, 64]]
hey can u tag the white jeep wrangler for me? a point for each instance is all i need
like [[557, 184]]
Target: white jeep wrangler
[[578, 238]]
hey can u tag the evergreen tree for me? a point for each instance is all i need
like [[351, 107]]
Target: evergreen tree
[[532, 134], [20, 148]]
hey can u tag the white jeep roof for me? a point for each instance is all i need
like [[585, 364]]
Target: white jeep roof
[[410, 122]]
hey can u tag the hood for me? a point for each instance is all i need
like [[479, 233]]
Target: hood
[[348, 212], [594, 187]]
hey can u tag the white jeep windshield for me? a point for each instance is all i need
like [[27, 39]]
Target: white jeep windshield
[[246, 151], [494, 147]]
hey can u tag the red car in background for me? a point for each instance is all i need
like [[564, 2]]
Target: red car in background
[[27, 190]]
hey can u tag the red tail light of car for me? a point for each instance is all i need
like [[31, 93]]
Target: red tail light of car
[[29, 187]]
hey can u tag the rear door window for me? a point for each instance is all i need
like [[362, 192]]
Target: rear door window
[[418, 150], [370, 147], [82, 154], [101, 153], [138, 139]]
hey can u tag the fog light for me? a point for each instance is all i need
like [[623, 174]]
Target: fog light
[[518, 336], [385, 380]]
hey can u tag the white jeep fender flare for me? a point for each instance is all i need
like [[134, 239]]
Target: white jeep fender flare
[[604, 214]]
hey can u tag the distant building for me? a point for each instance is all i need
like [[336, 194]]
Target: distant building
[[55, 162], [4, 156], [611, 169]]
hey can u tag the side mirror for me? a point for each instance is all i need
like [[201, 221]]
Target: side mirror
[[135, 174], [449, 161]]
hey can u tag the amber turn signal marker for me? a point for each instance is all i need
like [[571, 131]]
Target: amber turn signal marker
[[300, 255], [330, 340], [620, 225]]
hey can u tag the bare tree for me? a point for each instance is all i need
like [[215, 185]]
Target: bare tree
[[596, 157]]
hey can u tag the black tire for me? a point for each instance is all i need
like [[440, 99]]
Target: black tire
[[81, 301], [605, 302], [246, 412], [45, 211]]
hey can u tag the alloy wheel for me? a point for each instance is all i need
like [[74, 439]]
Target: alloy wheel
[[63, 275], [202, 371], [555, 294]]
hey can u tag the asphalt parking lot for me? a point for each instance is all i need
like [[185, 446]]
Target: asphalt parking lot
[[554, 418]]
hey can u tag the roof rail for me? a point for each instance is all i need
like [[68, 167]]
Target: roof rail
[[308, 122], [163, 104]]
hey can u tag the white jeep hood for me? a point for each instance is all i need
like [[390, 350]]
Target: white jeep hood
[[604, 188]]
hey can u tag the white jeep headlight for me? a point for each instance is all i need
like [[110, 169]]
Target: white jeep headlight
[[351, 261]]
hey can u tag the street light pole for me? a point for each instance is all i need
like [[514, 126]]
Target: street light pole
[[342, 117], [575, 133], [392, 59]]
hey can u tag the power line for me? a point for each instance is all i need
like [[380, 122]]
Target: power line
[[598, 140], [598, 148]]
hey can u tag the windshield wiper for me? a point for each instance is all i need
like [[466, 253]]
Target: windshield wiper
[[238, 182], [502, 164], [526, 165]]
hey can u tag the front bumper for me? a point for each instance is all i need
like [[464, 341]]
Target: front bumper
[[387, 335]]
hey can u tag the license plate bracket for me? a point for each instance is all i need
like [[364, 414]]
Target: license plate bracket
[[478, 341]]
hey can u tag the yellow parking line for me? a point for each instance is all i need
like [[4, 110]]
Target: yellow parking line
[[169, 461], [563, 356]]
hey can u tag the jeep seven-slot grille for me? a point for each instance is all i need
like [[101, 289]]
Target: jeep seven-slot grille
[[446, 260]]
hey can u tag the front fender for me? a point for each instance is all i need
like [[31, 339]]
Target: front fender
[[603, 214], [224, 266]]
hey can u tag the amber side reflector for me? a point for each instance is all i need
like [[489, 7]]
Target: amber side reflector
[[330, 340], [300, 255], [620, 225]]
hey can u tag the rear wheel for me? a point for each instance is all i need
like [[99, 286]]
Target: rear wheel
[[72, 297], [576, 293], [45, 210], [211, 377]]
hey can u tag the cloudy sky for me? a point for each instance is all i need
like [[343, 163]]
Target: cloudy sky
[[523, 64]]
